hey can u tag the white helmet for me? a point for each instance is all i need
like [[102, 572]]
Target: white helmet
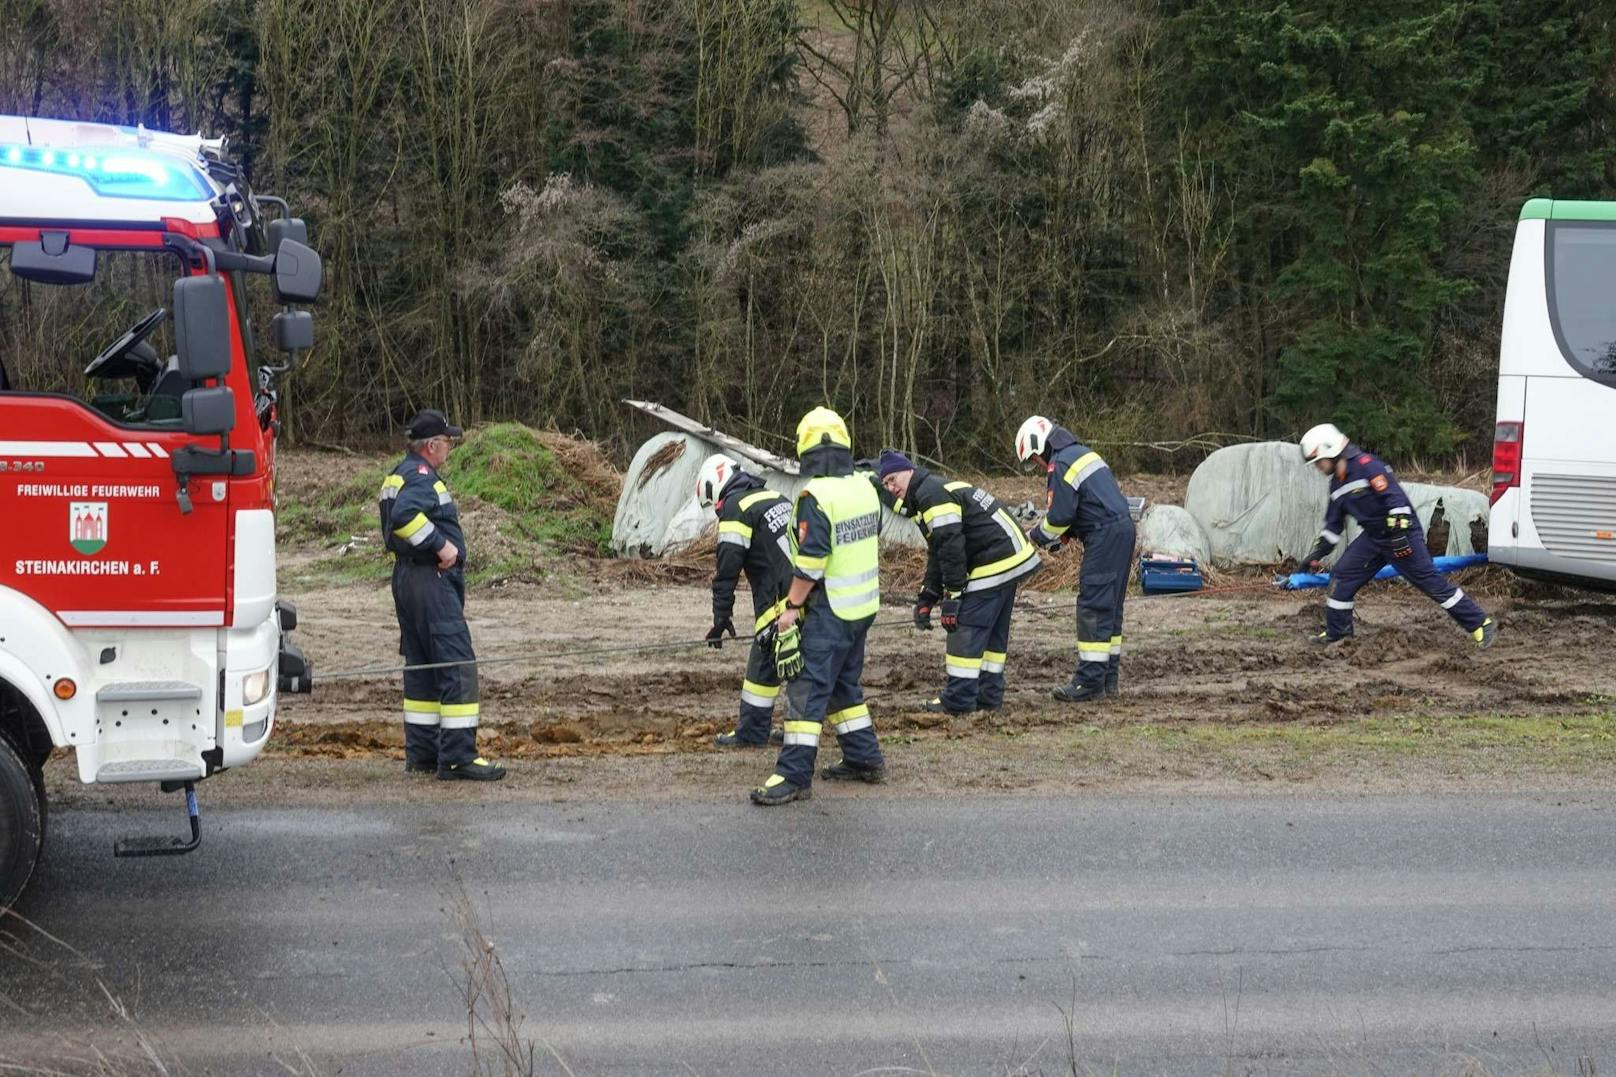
[[1323, 442], [715, 473], [1033, 438]]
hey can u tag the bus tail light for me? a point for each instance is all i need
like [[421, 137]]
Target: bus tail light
[[1506, 458]]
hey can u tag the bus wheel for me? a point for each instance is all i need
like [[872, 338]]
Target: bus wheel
[[22, 822]]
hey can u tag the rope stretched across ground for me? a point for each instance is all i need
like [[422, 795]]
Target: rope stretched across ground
[[678, 645]]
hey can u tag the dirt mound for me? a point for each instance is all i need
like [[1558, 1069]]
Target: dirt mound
[[526, 497]]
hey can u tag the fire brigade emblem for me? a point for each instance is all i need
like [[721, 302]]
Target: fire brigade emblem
[[87, 526]]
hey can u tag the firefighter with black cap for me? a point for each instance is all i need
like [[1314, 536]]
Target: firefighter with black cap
[[1085, 501], [754, 539], [834, 597], [976, 557], [421, 528]]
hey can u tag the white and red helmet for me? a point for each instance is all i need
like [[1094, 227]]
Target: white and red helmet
[[1033, 438], [1323, 442], [715, 473]]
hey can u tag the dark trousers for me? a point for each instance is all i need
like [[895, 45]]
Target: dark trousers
[[759, 690], [828, 690], [1366, 555], [440, 705], [977, 649], [1102, 587]]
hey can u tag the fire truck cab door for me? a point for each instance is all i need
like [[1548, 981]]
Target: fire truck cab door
[[96, 531]]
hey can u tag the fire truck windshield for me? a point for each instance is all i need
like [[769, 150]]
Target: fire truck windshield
[[109, 343]]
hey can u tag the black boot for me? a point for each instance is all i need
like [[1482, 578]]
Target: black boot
[[416, 767], [936, 706], [733, 740], [1324, 639], [1077, 692], [843, 771], [776, 790], [478, 770]]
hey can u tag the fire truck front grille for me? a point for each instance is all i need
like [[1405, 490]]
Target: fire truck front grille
[[1575, 515]]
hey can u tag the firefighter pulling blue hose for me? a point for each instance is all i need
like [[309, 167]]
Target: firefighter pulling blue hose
[[1363, 487], [1302, 581]]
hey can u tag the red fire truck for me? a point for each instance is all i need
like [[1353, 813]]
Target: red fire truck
[[139, 621]]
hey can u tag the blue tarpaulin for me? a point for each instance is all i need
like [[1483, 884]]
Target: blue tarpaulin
[[1301, 581]]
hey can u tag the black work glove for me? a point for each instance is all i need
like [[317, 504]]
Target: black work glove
[[1045, 541], [715, 634], [923, 604], [788, 661], [950, 611], [1401, 547], [1315, 557]]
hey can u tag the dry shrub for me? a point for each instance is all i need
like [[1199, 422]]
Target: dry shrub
[[588, 463], [494, 1027]]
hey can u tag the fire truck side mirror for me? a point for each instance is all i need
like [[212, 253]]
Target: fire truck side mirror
[[284, 228], [208, 411], [297, 273], [64, 264], [202, 327], [293, 330]]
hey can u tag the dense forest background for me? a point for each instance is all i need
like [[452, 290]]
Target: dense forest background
[[1171, 224]]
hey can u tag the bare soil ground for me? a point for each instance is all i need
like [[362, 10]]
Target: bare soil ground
[[1221, 693], [1220, 690]]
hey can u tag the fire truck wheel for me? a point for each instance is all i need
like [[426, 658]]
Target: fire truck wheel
[[22, 822]]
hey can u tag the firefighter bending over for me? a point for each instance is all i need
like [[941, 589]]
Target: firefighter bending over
[[976, 558], [754, 537], [1363, 487], [1084, 500], [421, 528], [834, 597]]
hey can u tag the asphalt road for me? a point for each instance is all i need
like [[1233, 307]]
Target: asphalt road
[[854, 934]]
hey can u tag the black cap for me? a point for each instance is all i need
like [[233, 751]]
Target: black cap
[[431, 423]]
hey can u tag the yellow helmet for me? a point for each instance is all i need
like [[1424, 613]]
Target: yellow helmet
[[817, 426]]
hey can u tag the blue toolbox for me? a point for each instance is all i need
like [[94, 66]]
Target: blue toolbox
[[1166, 575]]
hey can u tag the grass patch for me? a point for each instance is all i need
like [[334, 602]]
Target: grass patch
[[331, 513], [1568, 740]]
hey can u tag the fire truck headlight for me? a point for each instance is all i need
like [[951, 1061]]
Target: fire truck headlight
[[254, 687]]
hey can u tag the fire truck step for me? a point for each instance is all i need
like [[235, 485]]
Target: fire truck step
[[166, 846], [149, 770], [147, 691]]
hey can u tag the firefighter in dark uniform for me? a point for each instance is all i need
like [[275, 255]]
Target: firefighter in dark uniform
[[1363, 487], [834, 597], [1085, 500], [976, 558], [754, 538], [421, 529]]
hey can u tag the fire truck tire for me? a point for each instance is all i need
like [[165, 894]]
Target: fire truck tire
[[22, 822]]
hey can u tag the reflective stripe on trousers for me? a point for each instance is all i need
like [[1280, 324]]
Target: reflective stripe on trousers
[[850, 719]]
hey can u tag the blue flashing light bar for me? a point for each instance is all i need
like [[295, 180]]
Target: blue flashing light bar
[[114, 172]]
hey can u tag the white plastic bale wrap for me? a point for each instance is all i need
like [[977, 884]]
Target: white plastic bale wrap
[[1171, 530], [1260, 504], [1459, 508], [659, 485], [657, 511]]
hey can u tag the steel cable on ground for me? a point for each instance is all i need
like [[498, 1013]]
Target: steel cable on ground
[[1066, 606]]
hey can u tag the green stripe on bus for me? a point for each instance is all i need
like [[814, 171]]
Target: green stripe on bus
[[1547, 209]]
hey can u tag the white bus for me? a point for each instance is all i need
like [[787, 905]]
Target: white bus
[[1554, 446]]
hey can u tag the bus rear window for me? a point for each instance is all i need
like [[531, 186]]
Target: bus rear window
[[1582, 295]]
